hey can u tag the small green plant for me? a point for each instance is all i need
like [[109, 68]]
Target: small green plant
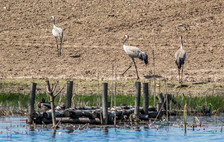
[[77, 22]]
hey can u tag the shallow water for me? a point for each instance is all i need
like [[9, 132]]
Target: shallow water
[[211, 129]]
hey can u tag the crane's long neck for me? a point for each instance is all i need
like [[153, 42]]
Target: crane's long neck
[[125, 42], [54, 23], [181, 43]]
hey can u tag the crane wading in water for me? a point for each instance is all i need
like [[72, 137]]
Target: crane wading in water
[[180, 57], [58, 34], [134, 52]]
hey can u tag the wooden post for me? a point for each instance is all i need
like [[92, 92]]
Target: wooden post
[[161, 100], [137, 99], [104, 102], [167, 106], [32, 102], [146, 98], [69, 94]]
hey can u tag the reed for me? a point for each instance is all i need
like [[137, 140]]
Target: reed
[[185, 119]]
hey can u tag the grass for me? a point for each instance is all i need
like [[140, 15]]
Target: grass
[[78, 100], [214, 102], [193, 102]]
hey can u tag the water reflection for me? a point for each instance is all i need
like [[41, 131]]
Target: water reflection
[[105, 130], [70, 129]]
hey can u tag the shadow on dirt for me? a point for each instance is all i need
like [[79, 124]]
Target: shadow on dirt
[[198, 83], [75, 56], [182, 86], [152, 76]]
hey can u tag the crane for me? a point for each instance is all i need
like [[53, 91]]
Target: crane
[[180, 57], [134, 52], [58, 34]]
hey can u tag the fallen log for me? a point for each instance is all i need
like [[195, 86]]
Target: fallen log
[[91, 114], [82, 120], [148, 116]]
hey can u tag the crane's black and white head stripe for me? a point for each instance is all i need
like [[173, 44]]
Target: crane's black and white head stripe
[[52, 17], [126, 36]]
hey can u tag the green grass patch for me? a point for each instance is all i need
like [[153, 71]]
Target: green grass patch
[[214, 102], [78, 100], [14, 100]]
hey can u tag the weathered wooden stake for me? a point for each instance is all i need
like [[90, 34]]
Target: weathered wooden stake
[[167, 106], [69, 94], [32, 102], [146, 98], [105, 103], [161, 100], [137, 99]]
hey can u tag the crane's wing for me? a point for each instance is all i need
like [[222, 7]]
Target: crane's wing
[[132, 51], [180, 57], [180, 54], [57, 32]]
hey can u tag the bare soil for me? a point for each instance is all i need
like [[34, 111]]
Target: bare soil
[[93, 38]]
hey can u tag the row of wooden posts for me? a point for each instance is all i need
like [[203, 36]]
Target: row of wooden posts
[[104, 100]]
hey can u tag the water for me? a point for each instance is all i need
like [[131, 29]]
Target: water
[[16, 129]]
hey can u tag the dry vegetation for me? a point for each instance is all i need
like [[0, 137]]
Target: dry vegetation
[[93, 38]]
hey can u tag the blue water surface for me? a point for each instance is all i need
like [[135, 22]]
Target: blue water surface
[[16, 129]]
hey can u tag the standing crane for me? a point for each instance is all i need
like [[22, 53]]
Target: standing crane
[[134, 52], [180, 57], [58, 34]]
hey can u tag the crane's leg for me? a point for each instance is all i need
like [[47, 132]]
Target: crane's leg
[[179, 74], [56, 43], [60, 45], [136, 69], [127, 68], [182, 74]]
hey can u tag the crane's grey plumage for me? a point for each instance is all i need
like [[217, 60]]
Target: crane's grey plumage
[[134, 52], [180, 57], [58, 34]]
